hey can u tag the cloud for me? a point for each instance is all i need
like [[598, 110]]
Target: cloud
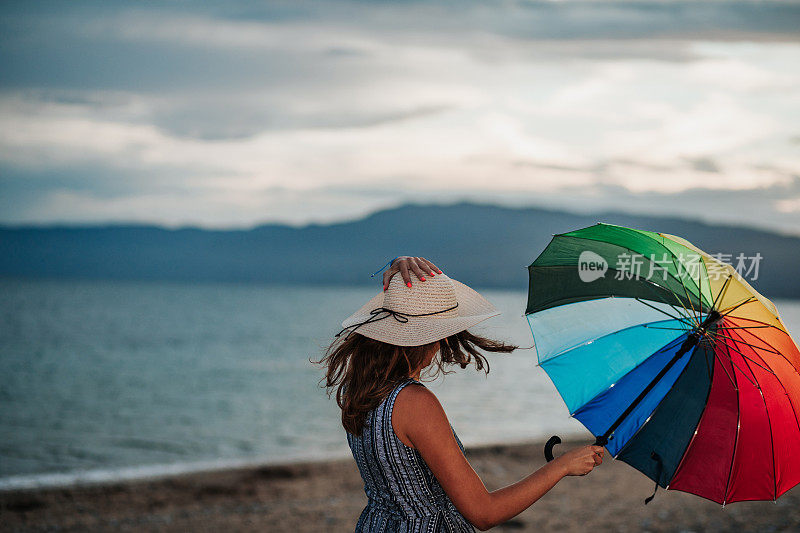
[[775, 207], [789, 205], [220, 119], [233, 113]]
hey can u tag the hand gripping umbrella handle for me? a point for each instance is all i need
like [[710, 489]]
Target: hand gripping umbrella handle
[[555, 439]]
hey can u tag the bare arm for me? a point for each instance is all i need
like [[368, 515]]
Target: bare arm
[[420, 421]]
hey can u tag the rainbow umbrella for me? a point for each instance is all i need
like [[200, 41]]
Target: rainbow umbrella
[[671, 359]]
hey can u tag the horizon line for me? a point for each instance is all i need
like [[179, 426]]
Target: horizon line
[[189, 226]]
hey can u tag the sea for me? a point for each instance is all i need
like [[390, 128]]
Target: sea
[[113, 380]]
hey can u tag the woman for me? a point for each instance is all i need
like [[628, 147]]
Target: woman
[[415, 474]]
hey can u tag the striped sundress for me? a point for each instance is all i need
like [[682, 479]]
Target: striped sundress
[[403, 494]]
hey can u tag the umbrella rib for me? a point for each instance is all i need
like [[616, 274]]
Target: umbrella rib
[[758, 322], [686, 315], [689, 314], [700, 289], [649, 284], [772, 351], [727, 347], [747, 343], [708, 367], [737, 366], [673, 329], [721, 291], [746, 357], [761, 322], [729, 310], [686, 291], [736, 438], [765, 369], [744, 327], [694, 313], [725, 291], [714, 351], [664, 312]]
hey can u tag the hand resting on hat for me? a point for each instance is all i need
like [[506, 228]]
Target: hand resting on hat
[[405, 264]]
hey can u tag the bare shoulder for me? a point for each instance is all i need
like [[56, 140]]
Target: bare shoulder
[[417, 410], [416, 398]]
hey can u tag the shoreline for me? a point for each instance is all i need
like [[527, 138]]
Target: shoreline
[[148, 472], [327, 495], [159, 472]]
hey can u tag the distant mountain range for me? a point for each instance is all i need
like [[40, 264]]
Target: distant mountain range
[[482, 245]]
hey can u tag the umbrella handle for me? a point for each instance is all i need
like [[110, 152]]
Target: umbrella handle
[[548, 448]]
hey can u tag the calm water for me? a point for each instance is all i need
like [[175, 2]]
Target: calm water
[[101, 380]]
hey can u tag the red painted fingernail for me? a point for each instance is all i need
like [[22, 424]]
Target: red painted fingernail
[[423, 279], [409, 284], [432, 274], [439, 271]]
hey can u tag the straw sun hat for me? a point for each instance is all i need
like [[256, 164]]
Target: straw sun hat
[[425, 312]]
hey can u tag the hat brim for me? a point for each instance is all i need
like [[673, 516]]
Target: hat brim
[[472, 309]]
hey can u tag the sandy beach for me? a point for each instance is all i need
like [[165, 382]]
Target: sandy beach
[[328, 496]]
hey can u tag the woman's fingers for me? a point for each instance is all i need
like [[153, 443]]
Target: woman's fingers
[[415, 263], [406, 265], [597, 454], [431, 267], [389, 272], [581, 461], [404, 272]]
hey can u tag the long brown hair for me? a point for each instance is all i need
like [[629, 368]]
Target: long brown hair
[[363, 371]]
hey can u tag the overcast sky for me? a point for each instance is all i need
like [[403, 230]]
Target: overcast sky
[[239, 113]]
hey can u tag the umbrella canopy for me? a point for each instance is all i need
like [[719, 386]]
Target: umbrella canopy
[[671, 359]]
